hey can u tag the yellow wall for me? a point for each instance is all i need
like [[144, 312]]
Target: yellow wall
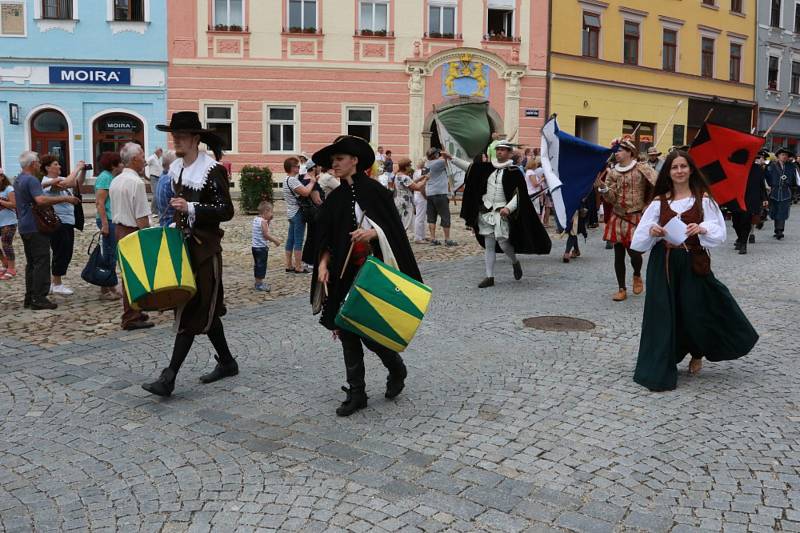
[[567, 45], [612, 106]]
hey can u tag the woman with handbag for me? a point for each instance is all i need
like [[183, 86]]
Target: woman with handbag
[[62, 240], [293, 191], [686, 310]]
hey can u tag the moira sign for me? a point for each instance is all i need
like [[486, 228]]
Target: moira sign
[[90, 75]]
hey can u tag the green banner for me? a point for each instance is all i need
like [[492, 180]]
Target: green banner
[[469, 125]]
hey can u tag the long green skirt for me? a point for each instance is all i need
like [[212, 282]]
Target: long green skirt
[[689, 315]]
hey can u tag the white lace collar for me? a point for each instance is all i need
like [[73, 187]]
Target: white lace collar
[[498, 166], [194, 176], [627, 168]]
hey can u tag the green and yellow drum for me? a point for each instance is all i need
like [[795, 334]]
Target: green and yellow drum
[[156, 270], [384, 305]]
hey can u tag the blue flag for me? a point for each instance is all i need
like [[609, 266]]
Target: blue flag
[[571, 166]]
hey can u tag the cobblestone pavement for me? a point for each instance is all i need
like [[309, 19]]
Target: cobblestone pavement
[[83, 314], [500, 428]]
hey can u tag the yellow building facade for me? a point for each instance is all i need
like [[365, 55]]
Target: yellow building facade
[[654, 69]]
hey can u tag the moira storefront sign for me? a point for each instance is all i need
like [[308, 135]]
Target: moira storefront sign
[[90, 75]]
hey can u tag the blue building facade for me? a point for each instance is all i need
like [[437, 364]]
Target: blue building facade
[[80, 77]]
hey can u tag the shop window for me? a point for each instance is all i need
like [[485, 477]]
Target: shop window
[[303, 16], [591, 34], [129, 10], [736, 62], [57, 9], [707, 58], [360, 122], [670, 50], [441, 21], [228, 14], [795, 77], [12, 18], [113, 131], [221, 118], [631, 47], [775, 13], [773, 73], [282, 128], [374, 17]]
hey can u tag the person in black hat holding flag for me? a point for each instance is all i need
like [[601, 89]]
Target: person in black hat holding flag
[[781, 176], [345, 223], [202, 201], [755, 198]]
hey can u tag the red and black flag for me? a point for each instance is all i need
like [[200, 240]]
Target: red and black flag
[[725, 156]]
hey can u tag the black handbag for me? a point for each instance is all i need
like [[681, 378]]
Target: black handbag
[[308, 210], [80, 218], [99, 270]]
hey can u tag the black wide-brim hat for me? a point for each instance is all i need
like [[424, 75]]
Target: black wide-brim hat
[[346, 144], [189, 122], [784, 150]]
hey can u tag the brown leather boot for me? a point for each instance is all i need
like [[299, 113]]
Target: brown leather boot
[[620, 296], [638, 285]]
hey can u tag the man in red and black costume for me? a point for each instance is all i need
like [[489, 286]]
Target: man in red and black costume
[[202, 201]]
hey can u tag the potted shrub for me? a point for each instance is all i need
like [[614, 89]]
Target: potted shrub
[[309, 30], [235, 28], [448, 36], [367, 33], [256, 186], [221, 27], [295, 29], [380, 33], [436, 35]]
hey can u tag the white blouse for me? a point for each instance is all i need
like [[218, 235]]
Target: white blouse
[[713, 222]]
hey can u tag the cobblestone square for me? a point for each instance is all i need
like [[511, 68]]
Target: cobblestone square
[[500, 427]]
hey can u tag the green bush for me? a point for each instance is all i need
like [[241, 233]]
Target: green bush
[[256, 186]]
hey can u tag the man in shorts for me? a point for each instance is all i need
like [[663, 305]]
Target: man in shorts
[[438, 203]]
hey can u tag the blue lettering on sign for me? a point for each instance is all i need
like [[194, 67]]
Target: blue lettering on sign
[[90, 75]]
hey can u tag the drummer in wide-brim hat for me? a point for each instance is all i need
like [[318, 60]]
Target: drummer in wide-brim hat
[[188, 122], [202, 201], [347, 221]]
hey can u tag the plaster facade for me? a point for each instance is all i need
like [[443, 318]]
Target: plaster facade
[[291, 88]]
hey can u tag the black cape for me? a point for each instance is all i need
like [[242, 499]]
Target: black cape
[[526, 232], [336, 220]]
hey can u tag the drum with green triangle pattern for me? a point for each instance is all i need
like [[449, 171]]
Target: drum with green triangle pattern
[[156, 270], [384, 305]]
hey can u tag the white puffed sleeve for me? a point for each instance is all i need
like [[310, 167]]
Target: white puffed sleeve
[[461, 163], [642, 240], [714, 223]]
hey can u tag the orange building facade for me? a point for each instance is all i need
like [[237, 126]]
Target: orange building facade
[[281, 77]]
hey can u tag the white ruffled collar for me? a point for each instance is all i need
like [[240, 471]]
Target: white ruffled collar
[[626, 168], [498, 166], [194, 176]]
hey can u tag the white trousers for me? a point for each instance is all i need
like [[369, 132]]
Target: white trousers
[[490, 255], [420, 216]]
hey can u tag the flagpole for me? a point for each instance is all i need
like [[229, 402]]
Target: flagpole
[[450, 178], [708, 116], [669, 123], [775, 122]]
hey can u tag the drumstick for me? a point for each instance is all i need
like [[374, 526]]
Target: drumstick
[[352, 244]]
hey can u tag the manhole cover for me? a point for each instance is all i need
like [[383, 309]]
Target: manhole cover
[[558, 323]]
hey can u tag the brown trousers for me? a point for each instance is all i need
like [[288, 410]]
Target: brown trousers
[[129, 315]]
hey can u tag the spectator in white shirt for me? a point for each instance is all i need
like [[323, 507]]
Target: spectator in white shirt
[[153, 171]]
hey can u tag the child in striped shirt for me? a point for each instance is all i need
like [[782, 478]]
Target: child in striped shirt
[[261, 240]]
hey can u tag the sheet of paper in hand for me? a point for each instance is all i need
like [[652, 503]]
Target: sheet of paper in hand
[[676, 231]]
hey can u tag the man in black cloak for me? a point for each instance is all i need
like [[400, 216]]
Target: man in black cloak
[[497, 208], [341, 222]]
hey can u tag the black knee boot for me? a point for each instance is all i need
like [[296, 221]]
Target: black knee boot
[[354, 367], [226, 364]]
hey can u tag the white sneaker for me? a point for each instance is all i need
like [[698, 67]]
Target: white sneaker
[[62, 289]]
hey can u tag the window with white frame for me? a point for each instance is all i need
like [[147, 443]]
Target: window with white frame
[[797, 17], [12, 19], [229, 13], [735, 70], [500, 20], [441, 20], [775, 8], [374, 16], [222, 119], [707, 46], [303, 14], [360, 121], [57, 9], [795, 89], [773, 72], [129, 10], [282, 128]]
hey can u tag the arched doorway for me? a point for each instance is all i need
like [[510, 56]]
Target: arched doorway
[[50, 135], [111, 131]]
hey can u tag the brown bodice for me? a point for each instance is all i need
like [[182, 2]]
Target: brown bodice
[[693, 216]]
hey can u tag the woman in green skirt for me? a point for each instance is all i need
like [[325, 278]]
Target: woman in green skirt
[[686, 310]]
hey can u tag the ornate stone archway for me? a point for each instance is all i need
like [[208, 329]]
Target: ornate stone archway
[[417, 69]]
